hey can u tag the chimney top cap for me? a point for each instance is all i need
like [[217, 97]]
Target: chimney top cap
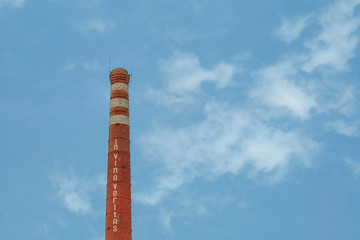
[[119, 75], [119, 71]]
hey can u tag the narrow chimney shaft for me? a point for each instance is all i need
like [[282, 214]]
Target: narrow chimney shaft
[[118, 197]]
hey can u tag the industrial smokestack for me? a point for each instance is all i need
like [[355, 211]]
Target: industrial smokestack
[[118, 197]]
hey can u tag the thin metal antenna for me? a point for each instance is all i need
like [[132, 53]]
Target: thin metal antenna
[[131, 70], [109, 63]]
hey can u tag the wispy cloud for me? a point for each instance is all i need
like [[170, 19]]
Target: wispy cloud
[[245, 140], [334, 46], [69, 66], [74, 192], [165, 219], [43, 231], [354, 165], [291, 30], [180, 36], [12, 3], [91, 65], [278, 86], [336, 96], [290, 84], [267, 137], [188, 205], [238, 141], [183, 74], [344, 128], [98, 26]]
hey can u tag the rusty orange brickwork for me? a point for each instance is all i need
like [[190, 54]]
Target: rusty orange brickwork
[[118, 197]]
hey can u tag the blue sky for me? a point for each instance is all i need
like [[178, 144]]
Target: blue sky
[[244, 117]]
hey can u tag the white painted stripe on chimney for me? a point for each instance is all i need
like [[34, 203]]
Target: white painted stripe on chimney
[[119, 102], [120, 86], [121, 119]]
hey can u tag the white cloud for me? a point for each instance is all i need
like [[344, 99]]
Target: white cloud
[[334, 46], [43, 231], [276, 87], [164, 97], [344, 128], [180, 36], [190, 205], [69, 67], [336, 96], [165, 219], [183, 74], [92, 66], [346, 99], [98, 26], [291, 30], [12, 3], [74, 192], [289, 84], [259, 141], [354, 165], [236, 142]]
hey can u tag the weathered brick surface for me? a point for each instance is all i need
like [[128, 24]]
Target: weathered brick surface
[[118, 197]]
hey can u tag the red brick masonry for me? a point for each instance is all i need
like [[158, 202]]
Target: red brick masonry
[[118, 197]]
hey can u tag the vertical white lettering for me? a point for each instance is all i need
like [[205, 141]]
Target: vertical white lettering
[[115, 193]]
